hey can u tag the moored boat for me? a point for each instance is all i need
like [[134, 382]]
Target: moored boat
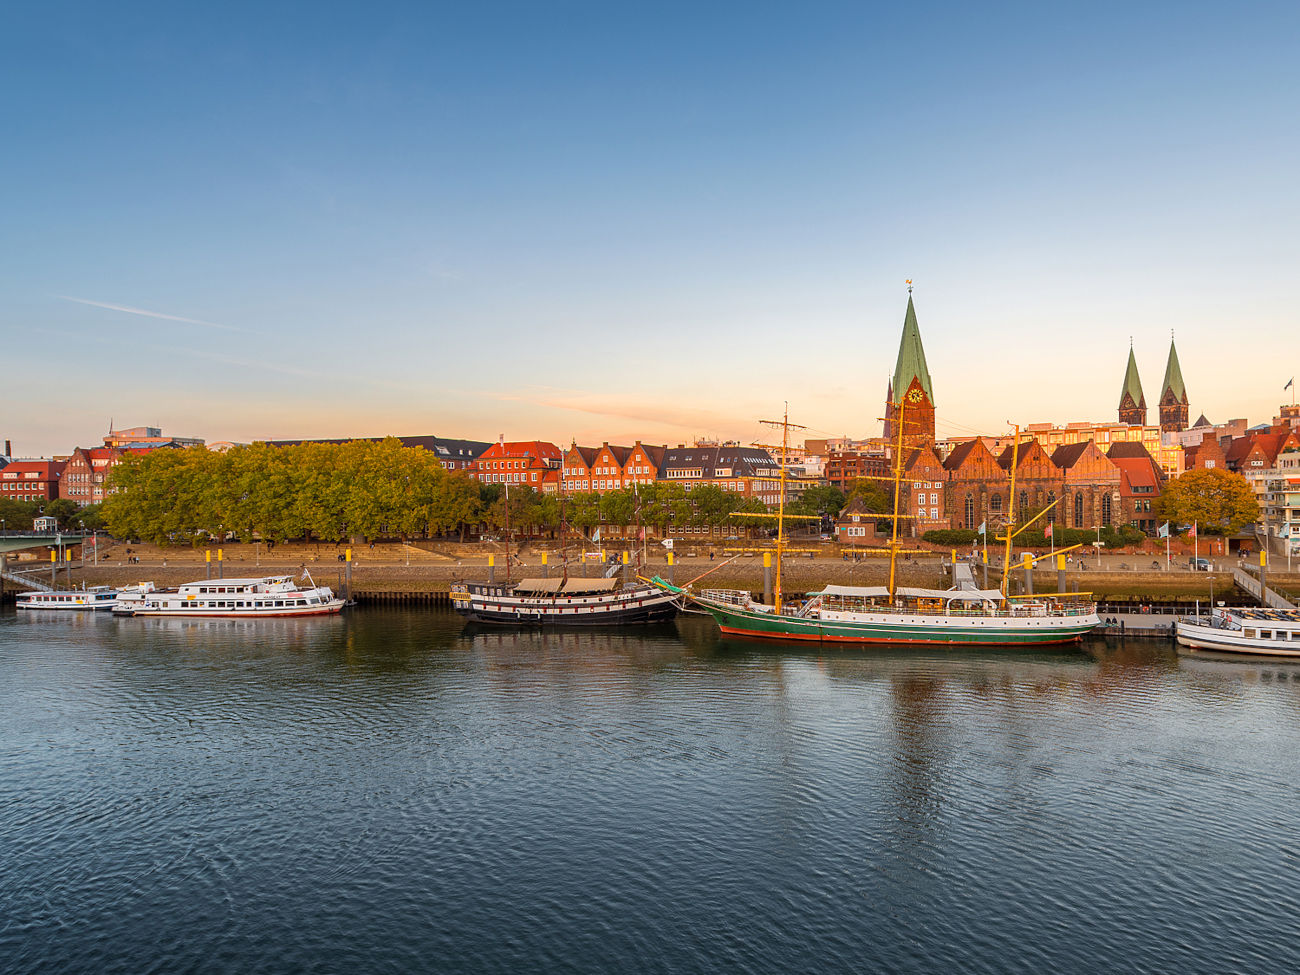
[[97, 598], [270, 596], [1244, 631], [868, 614], [564, 602]]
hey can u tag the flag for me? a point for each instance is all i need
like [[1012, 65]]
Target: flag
[[984, 526], [1288, 384], [1163, 531], [595, 536], [1048, 533], [1191, 532]]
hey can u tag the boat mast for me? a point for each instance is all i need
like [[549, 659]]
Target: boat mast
[[564, 541], [507, 487], [898, 488], [785, 425], [1011, 510]]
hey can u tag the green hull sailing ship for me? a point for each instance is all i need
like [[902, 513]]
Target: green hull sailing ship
[[964, 615]]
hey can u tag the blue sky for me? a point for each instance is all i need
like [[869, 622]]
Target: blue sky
[[651, 221]]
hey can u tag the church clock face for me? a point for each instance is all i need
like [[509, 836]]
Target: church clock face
[[914, 396]]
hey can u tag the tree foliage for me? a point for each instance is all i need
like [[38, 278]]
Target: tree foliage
[[327, 491], [1219, 501]]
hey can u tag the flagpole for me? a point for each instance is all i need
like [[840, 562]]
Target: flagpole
[[1167, 533], [1196, 544]]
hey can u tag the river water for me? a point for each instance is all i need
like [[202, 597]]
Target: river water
[[388, 792]]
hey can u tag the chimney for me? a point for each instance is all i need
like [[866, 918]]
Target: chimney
[[9, 450]]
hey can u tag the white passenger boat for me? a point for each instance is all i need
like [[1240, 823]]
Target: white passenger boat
[[239, 598], [98, 598], [1242, 630]]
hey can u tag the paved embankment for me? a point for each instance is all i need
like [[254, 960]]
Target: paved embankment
[[412, 570]]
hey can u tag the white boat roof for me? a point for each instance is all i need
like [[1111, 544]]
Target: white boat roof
[[876, 592], [238, 582]]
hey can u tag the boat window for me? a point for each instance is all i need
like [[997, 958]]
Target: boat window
[[279, 602]]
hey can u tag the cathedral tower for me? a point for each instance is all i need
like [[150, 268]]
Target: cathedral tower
[[1173, 395], [910, 386], [1132, 404]]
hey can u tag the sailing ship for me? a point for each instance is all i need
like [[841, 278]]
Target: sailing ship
[[564, 601], [962, 615]]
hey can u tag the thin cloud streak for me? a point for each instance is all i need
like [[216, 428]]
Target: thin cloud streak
[[656, 414], [155, 314]]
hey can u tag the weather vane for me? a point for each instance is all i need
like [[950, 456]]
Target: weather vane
[[909, 286]]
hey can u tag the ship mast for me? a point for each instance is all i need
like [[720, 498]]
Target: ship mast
[[507, 487], [898, 489], [786, 426], [1011, 511]]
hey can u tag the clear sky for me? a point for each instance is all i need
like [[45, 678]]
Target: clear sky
[[646, 221]]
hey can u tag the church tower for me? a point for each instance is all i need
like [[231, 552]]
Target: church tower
[[1132, 404], [910, 386], [1173, 395]]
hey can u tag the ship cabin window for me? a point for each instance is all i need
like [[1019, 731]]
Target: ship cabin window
[[1250, 634], [279, 602]]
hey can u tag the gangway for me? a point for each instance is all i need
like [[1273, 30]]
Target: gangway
[[25, 580]]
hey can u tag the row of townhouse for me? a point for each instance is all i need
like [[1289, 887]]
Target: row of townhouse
[[750, 472]]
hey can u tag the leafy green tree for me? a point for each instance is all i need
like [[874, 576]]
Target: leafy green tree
[[457, 505], [712, 506], [1219, 501], [65, 510], [618, 507], [18, 515], [824, 501], [582, 511]]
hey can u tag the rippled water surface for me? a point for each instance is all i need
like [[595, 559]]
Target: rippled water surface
[[386, 792]]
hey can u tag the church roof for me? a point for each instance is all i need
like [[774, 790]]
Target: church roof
[[1132, 384], [1173, 376], [1067, 455], [1129, 449], [911, 357], [959, 454], [1201, 421]]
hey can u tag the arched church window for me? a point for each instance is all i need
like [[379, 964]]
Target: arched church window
[[995, 503], [1078, 511], [970, 510], [1105, 509], [1051, 500]]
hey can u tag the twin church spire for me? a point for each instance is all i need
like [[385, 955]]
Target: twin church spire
[[1173, 395]]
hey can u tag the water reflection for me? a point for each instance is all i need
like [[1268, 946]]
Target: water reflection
[[392, 790]]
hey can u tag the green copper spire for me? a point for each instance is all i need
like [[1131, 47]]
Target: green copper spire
[[1174, 376], [911, 357], [1132, 384]]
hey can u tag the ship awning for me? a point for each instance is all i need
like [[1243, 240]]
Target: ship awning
[[591, 585], [880, 592], [537, 585], [955, 595], [862, 592], [557, 585]]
